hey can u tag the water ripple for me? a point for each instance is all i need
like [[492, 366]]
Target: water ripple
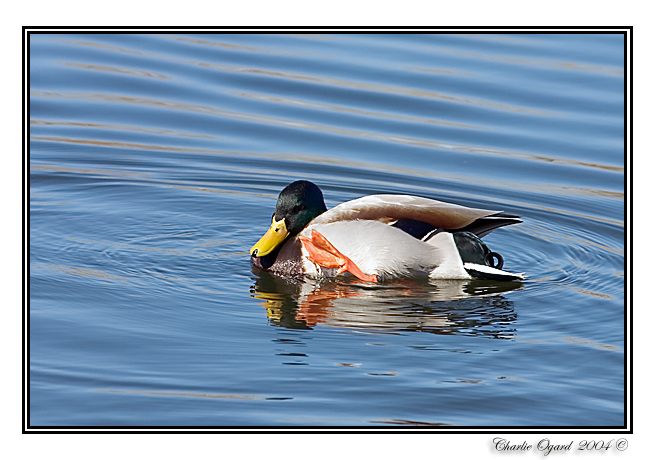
[[175, 105], [115, 69], [534, 62], [117, 127], [344, 109]]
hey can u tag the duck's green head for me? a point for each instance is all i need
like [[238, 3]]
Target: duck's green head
[[298, 204]]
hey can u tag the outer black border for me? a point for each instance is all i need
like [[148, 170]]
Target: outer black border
[[25, 219], [627, 428]]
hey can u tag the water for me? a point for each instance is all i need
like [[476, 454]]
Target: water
[[155, 163]]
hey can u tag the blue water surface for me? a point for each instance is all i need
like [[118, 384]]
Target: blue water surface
[[155, 163]]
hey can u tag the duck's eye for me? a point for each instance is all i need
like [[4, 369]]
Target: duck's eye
[[299, 208]]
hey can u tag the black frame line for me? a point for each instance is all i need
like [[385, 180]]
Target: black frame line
[[627, 428]]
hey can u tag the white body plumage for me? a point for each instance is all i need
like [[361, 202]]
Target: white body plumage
[[383, 250]]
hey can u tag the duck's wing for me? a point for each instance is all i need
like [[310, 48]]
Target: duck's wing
[[391, 208], [483, 226]]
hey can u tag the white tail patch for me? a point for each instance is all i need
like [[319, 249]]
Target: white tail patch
[[450, 264], [493, 271]]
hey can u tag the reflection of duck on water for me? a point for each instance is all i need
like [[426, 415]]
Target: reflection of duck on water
[[470, 307], [378, 237]]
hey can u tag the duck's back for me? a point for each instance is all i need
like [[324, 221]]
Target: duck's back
[[389, 208]]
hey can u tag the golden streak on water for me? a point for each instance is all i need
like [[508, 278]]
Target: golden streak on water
[[121, 70], [601, 346], [117, 127]]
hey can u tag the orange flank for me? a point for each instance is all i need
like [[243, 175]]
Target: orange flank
[[324, 254]]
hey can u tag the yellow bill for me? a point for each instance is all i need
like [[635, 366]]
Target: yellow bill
[[271, 239]]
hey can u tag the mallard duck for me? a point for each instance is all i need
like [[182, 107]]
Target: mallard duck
[[378, 237]]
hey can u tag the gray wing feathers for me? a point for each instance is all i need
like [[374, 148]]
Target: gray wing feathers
[[388, 208]]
